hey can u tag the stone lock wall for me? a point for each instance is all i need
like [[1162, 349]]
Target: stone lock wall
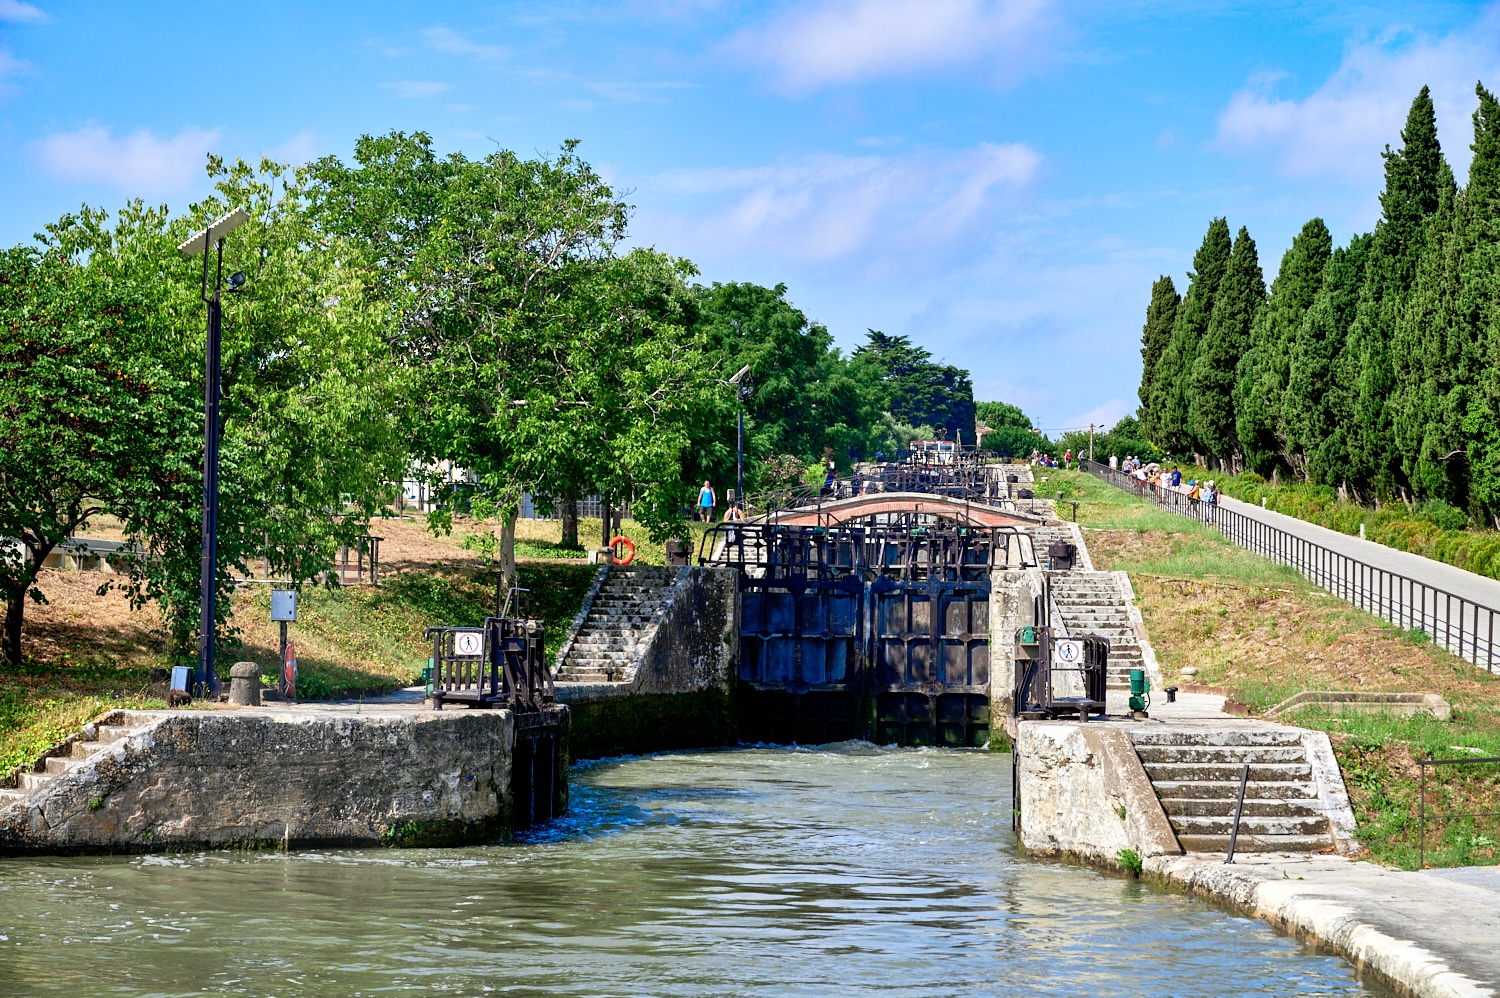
[[195, 778], [1084, 794]]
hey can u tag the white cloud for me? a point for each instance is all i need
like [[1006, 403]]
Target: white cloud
[[139, 164], [17, 12], [826, 207], [447, 40], [298, 149], [845, 41], [417, 89], [10, 68], [1339, 129]]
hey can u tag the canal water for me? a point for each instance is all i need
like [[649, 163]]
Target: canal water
[[841, 871]]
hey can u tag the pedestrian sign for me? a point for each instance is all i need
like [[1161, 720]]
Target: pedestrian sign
[[1068, 651]]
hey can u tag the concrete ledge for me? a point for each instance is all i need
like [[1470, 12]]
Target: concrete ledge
[[1400, 704], [182, 779], [1333, 906], [1085, 795]]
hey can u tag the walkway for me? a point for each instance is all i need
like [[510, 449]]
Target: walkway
[[1459, 609], [1435, 573], [1433, 932]]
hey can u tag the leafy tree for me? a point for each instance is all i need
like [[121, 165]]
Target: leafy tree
[[1211, 380], [1161, 313], [803, 396], [1168, 410], [1480, 309], [81, 408], [915, 389], [1265, 368]]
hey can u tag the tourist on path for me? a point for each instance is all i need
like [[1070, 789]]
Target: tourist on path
[[706, 503], [1114, 462]]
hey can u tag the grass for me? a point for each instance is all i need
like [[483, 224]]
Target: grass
[[1265, 633]]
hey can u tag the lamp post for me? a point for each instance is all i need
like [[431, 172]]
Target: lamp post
[[206, 682], [740, 393]]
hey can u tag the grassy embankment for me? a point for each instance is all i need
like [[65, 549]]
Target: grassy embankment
[[1264, 633], [85, 653], [1433, 530]]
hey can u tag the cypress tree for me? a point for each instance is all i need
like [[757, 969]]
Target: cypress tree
[[1264, 370], [1160, 314], [1211, 381], [1318, 408], [1481, 307], [1414, 180], [1169, 404]]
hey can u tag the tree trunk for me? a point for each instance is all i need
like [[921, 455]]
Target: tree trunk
[[508, 550], [15, 606], [604, 517], [570, 519]]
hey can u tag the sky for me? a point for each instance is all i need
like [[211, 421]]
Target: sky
[[1000, 180]]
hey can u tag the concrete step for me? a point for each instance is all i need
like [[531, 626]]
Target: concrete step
[[1256, 843], [8, 796], [1227, 790], [1251, 825], [1226, 754], [57, 765], [31, 781], [1268, 735], [1212, 772], [113, 732], [1223, 807]]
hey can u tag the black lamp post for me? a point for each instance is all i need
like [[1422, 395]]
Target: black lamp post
[[741, 392], [206, 682]]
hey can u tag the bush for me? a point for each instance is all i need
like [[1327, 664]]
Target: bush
[[1130, 862]]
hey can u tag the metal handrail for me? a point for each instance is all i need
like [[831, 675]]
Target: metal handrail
[[1456, 623]]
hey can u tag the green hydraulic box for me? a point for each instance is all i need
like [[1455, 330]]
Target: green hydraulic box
[[1140, 689]]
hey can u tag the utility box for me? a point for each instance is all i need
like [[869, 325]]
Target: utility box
[[1060, 555], [284, 605]]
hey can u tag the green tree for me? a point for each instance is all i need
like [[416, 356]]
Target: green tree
[[916, 390], [1011, 432], [1416, 180], [1480, 308], [1211, 380], [1168, 410], [1265, 368], [81, 408], [1317, 410], [803, 397], [1161, 313]]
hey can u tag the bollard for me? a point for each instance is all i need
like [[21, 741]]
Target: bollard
[[244, 684]]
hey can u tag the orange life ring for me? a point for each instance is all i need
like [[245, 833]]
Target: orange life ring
[[629, 549]]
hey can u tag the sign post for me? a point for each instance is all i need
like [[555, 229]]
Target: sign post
[[284, 611]]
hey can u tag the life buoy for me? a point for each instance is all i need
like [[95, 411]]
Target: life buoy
[[616, 542]]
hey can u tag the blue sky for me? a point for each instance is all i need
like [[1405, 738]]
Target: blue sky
[[999, 179]]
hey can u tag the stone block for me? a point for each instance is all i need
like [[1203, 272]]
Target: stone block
[[244, 684]]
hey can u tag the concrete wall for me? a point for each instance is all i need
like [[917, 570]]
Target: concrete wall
[[1012, 605], [1084, 794], [679, 691], [193, 778]]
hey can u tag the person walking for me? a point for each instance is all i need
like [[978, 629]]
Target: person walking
[[1114, 462], [1068, 460], [706, 503]]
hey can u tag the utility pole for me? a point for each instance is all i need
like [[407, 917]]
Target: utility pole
[[207, 682], [1091, 443], [741, 392]]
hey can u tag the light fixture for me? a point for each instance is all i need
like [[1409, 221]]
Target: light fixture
[[236, 280], [222, 226]]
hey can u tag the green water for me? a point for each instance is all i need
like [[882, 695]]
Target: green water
[[843, 871]]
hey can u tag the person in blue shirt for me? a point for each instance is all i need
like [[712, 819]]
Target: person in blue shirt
[[706, 503]]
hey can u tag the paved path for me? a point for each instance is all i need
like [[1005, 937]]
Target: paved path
[[1459, 609], [1455, 580], [1435, 932]]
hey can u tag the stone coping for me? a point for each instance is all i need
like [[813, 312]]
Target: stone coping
[[1416, 933], [1404, 704]]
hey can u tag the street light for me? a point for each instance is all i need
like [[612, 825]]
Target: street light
[[201, 242], [740, 391]]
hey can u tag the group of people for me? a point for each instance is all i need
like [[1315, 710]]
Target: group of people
[[707, 500], [1203, 496]]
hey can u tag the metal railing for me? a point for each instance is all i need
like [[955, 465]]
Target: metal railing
[[1423, 765], [1456, 623]]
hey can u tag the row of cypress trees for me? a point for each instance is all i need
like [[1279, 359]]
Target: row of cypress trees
[[1372, 367]]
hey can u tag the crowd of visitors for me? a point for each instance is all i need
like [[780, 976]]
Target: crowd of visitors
[[1203, 497]]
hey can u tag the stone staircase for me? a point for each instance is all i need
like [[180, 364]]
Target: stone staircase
[[1196, 775], [617, 620], [73, 752], [1091, 604], [1043, 536]]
